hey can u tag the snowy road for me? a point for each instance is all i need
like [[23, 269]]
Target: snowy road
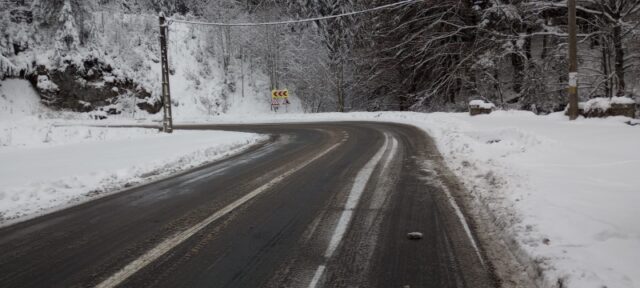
[[320, 205]]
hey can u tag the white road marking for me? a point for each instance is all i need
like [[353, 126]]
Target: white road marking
[[360, 182], [380, 193], [464, 223], [317, 275], [180, 237], [394, 148], [428, 166]]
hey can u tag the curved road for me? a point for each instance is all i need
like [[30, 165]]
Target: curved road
[[319, 205]]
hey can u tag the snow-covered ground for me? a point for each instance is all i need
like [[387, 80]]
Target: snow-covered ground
[[568, 192], [46, 164], [572, 185]]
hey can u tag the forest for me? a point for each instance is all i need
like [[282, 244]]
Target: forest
[[421, 55]]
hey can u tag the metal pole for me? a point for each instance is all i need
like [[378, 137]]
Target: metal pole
[[242, 68], [167, 123], [276, 36], [573, 62]]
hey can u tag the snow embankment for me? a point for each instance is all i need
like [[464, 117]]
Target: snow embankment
[[573, 186], [37, 180], [567, 192], [45, 166]]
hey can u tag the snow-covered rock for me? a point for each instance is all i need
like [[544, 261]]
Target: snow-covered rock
[[481, 104], [603, 107]]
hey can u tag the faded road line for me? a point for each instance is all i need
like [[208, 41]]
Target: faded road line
[[428, 166], [180, 237], [360, 182]]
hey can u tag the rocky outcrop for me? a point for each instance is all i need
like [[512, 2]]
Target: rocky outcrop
[[88, 88], [21, 16]]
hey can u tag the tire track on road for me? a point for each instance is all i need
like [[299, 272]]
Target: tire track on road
[[180, 237]]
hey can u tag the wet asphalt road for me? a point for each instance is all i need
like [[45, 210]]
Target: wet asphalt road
[[319, 205]]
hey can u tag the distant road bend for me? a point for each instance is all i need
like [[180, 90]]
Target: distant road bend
[[319, 205]]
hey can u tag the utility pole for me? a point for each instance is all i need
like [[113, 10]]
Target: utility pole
[[277, 43], [573, 61], [242, 68], [167, 123]]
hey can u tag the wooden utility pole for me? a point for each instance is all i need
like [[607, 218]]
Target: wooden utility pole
[[242, 68], [276, 36], [167, 123], [573, 61]]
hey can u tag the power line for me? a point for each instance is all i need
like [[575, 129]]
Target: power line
[[298, 20]]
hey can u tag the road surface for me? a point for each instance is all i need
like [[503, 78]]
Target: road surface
[[319, 205]]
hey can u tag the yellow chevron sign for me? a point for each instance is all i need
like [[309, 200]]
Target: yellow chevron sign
[[280, 94]]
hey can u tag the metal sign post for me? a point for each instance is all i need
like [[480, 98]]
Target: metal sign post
[[167, 123]]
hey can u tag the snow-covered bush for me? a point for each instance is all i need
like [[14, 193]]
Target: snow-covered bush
[[6, 67]]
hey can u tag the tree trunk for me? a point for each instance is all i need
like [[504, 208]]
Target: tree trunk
[[619, 58], [340, 87], [527, 47], [242, 69], [457, 90], [451, 89], [605, 69], [497, 86], [518, 72], [545, 47]]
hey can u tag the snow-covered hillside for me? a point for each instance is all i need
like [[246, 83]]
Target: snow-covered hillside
[[88, 56]]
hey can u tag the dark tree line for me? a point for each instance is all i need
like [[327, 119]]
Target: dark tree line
[[428, 55], [436, 55]]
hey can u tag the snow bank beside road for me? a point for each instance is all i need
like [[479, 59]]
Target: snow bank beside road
[[38, 180], [567, 192], [573, 186], [45, 166]]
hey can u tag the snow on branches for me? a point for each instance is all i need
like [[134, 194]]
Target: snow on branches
[[67, 34]]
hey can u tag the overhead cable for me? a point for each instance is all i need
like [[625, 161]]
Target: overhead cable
[[392, 5]]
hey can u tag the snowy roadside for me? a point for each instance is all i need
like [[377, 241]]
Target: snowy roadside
[[40, 180], [566, 192], [47, 163]]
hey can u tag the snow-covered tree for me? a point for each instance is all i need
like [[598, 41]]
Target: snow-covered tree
[[6, 67], [67, 34], [610, 25]]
